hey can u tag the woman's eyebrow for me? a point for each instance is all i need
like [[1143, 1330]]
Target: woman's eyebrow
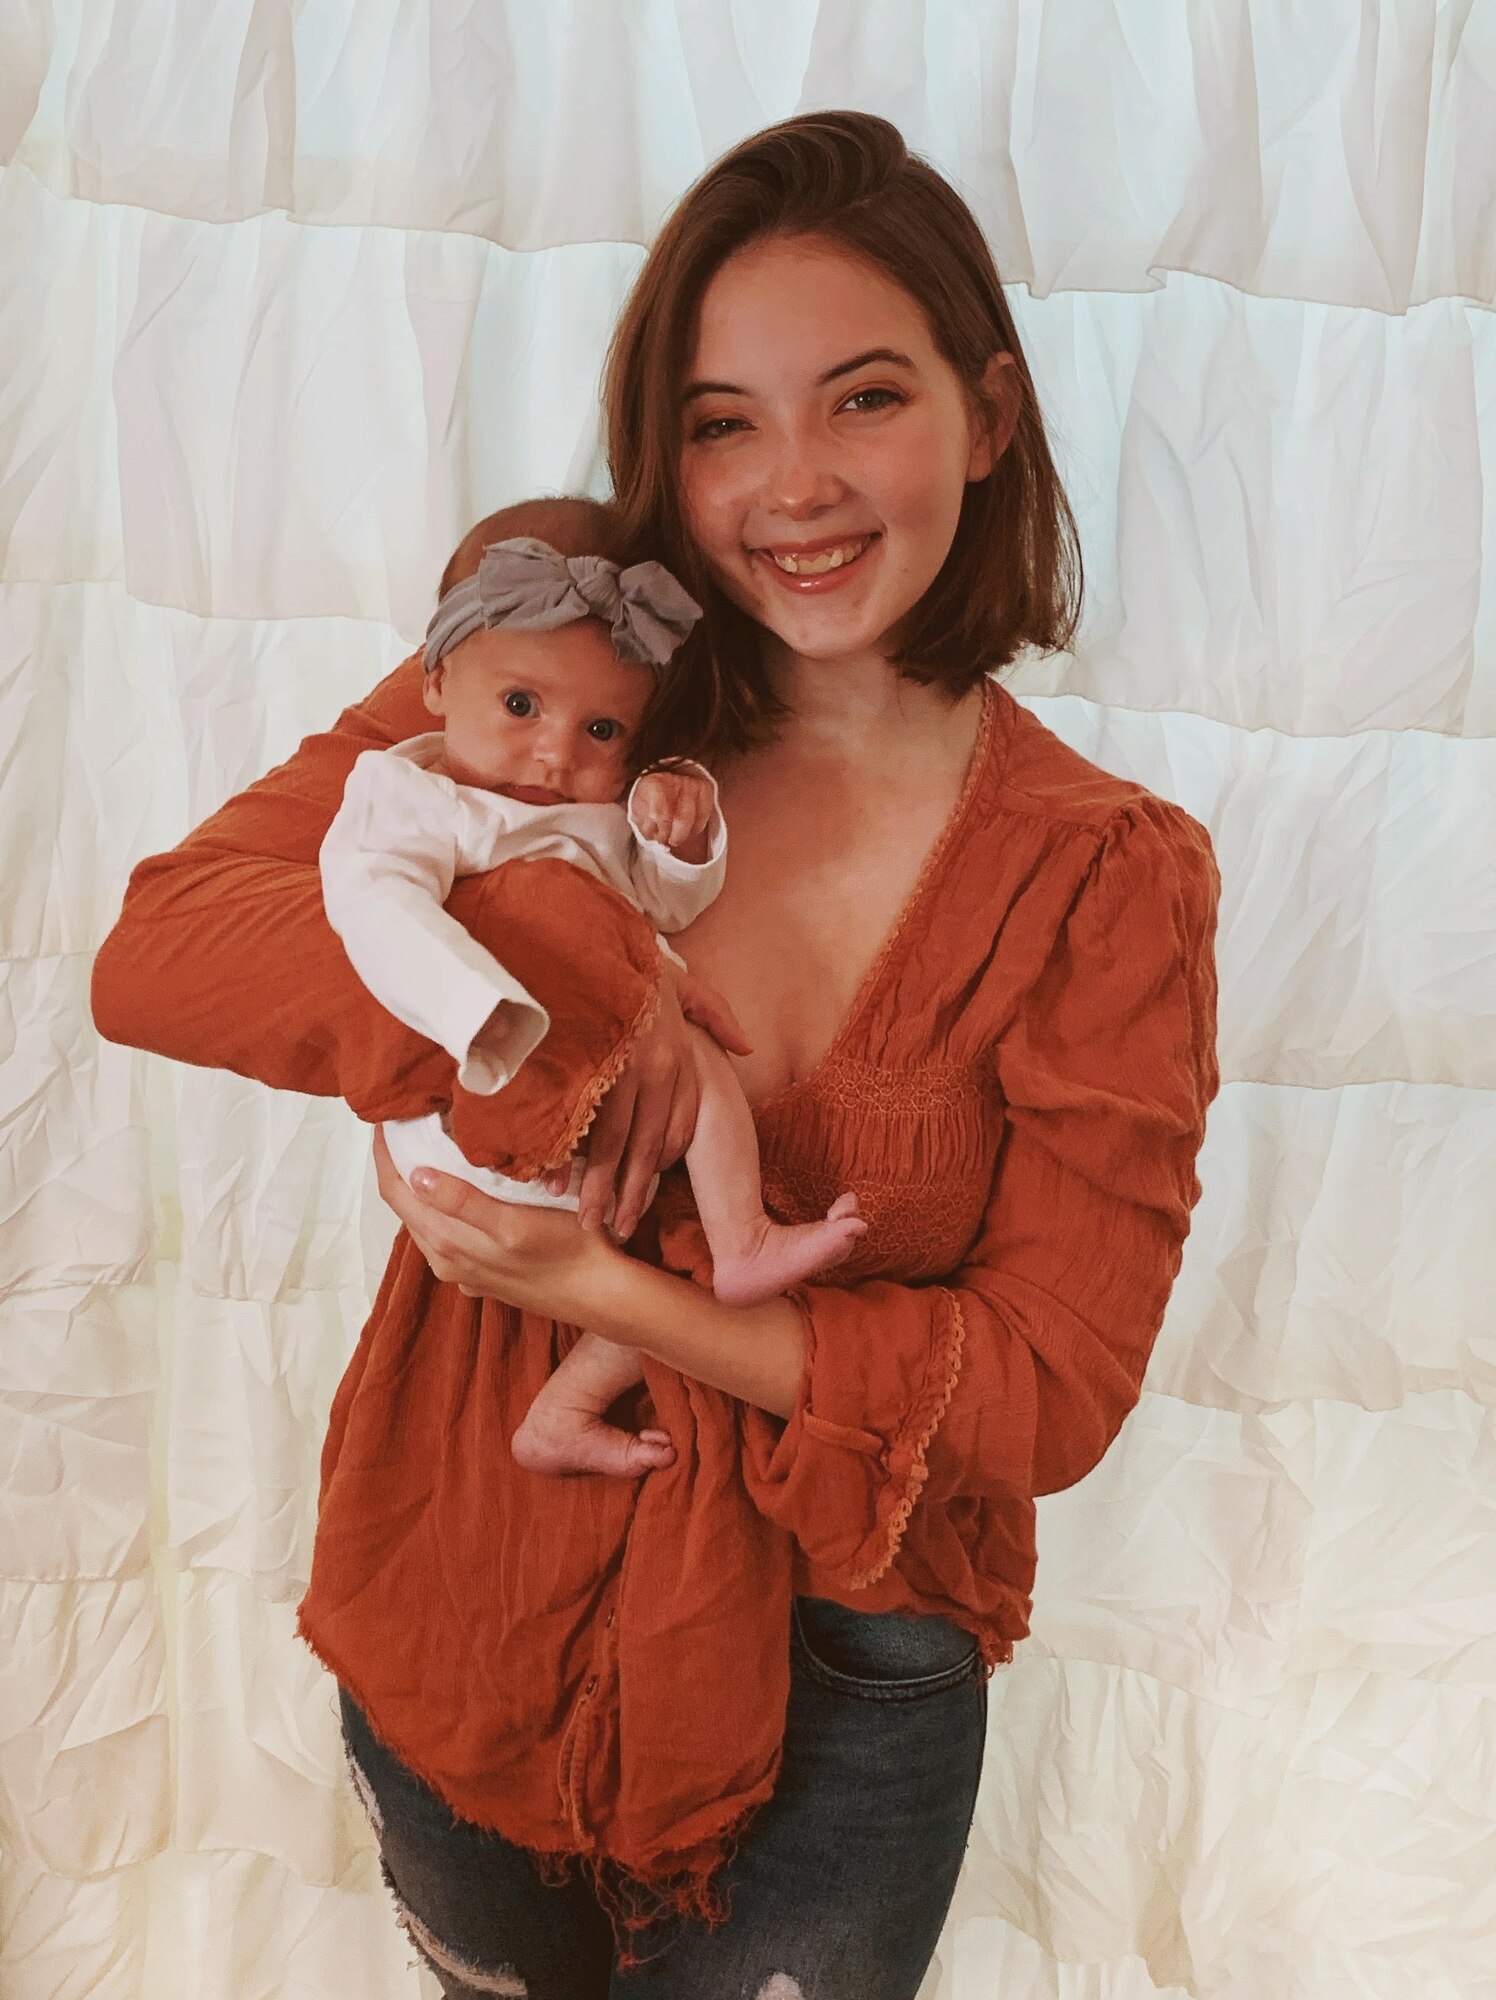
[[861, 361], [693, 389]]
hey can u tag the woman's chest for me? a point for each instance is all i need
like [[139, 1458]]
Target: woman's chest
[[827, 942], [813, 898]]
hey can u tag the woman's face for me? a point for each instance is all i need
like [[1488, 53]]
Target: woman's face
[[826, 446]]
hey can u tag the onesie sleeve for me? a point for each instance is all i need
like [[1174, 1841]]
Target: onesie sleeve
[[388, 864], [1011, 1378], [673, 893]]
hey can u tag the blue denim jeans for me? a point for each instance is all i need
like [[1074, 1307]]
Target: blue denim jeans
[[837, 1892]]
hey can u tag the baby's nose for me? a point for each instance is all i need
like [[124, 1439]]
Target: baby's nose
[[553, 746]]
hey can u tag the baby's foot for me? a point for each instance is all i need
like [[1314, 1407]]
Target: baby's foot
[[781, 1255], [563, 1441]]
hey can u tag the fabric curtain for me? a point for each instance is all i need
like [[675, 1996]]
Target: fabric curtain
[[289, 295]]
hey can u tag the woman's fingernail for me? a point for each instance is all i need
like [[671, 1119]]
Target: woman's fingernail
[[424, 1179]]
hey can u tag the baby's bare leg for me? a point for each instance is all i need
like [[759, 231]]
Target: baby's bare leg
[[752, 1257], [563, 1430]]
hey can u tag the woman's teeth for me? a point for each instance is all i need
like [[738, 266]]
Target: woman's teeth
[[821, 561]]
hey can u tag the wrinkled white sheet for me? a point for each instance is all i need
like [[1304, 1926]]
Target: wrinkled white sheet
[[289, 295]]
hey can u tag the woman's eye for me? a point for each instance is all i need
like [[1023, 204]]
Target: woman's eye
[[886, 397], [604, 730], [519, 703], [714, 428]]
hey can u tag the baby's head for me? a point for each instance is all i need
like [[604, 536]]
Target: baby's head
[[544, 703]]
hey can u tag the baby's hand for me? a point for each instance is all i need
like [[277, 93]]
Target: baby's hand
[[675, 808]]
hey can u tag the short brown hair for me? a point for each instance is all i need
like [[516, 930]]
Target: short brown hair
[[1012, 578]]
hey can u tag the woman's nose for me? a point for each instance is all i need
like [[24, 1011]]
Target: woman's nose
[[803, 476]]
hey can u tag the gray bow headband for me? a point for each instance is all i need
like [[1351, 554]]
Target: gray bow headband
[[529, 585]]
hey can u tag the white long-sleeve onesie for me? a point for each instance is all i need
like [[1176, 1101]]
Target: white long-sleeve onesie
[[403, 835]]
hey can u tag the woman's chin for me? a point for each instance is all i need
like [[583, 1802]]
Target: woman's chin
[[827, 641]]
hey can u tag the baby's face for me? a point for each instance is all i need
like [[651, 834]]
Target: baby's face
[[543, 717]]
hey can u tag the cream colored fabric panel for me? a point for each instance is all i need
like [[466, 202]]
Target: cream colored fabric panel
[[1282, 503], [1347, 1833], [292, 294], [431, 378], [1340, 1251], [1334, 152], [85, 1765], [213, 1926], [249, 1394], [78, 1380]]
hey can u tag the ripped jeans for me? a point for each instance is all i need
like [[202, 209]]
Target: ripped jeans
[[837, 1892]]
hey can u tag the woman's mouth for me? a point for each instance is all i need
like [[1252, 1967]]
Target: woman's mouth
[[816, 567]]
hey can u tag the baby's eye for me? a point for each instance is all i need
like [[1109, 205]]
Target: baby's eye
[[519, 703], [604, 729]]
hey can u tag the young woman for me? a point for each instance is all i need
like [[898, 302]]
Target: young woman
[[976, 977]]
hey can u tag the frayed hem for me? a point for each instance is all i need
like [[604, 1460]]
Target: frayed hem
[[679, 1890], [636, 1904]]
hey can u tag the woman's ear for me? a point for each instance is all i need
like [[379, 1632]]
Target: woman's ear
[[996, 414], [431, 689]]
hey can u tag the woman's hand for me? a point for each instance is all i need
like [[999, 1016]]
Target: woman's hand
[[646, 1121], [542, 1261], [538, 1259]]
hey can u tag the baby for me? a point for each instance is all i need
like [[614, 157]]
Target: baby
[[539, 667]]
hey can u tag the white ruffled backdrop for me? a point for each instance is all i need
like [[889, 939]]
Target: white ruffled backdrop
[[291, 293]]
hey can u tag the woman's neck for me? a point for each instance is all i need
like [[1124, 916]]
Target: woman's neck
[[857, 706]]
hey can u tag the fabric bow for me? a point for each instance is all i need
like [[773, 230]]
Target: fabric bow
[[527, 584]]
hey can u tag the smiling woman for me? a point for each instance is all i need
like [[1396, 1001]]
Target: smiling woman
[[817, 372]]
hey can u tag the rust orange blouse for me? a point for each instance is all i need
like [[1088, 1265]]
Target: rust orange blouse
[[599, 1668]]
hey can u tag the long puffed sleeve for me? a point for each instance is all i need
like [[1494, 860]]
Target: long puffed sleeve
[[223, 956], [1010, 1379], [388, 864], [673, 893]]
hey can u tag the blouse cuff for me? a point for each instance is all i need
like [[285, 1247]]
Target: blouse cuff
[[845, 1492]]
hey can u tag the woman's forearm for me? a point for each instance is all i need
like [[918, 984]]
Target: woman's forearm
[[756, 1353], [542, 1261]]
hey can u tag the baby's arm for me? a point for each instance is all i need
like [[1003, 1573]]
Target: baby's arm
[[679, 858], [388, 863]]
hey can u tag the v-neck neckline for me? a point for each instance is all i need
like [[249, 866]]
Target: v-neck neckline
[[872, 979]]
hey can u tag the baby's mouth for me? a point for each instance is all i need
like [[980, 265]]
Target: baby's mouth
[[535, 795]]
